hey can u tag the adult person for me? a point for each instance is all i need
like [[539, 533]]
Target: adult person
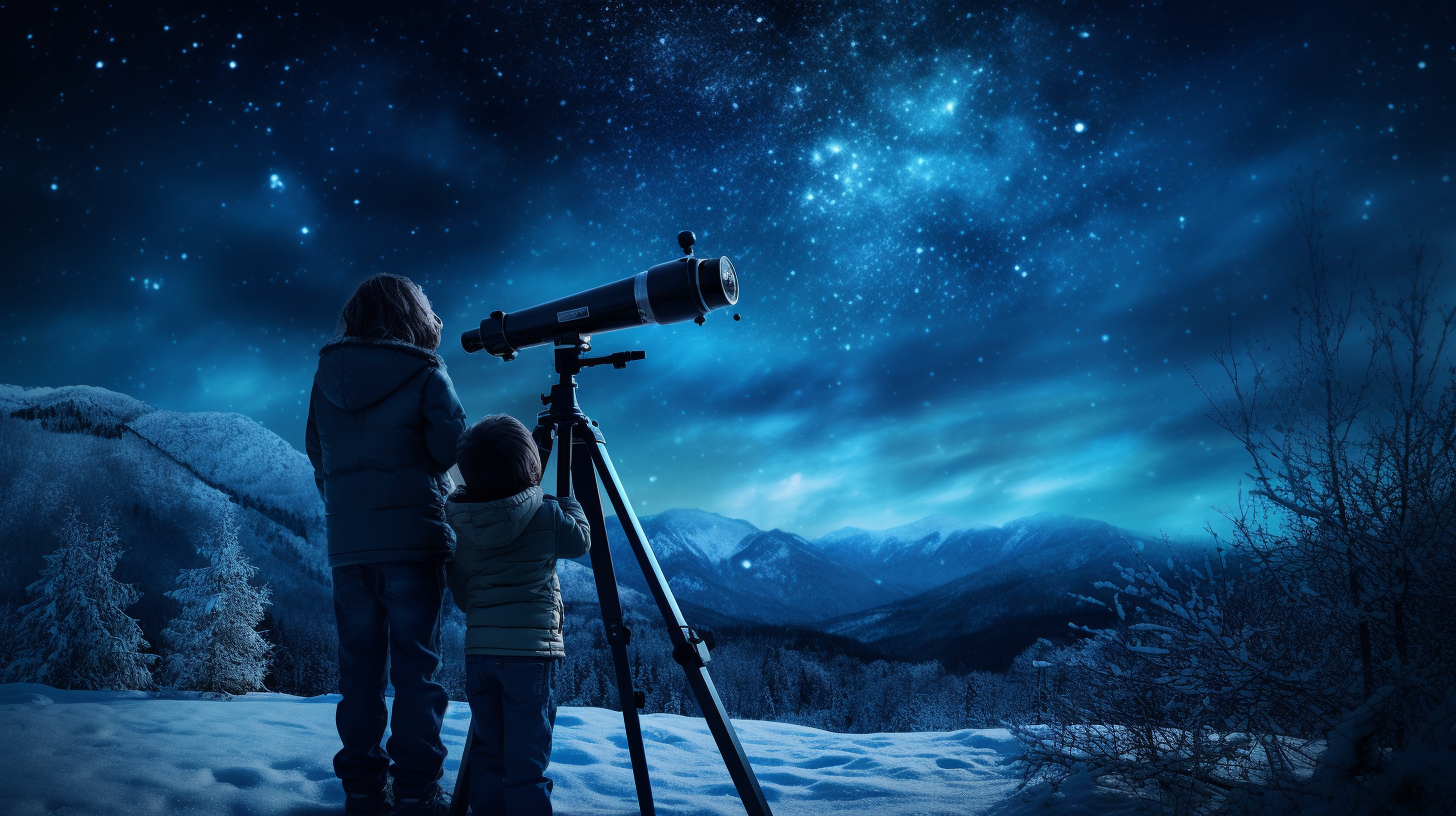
[[383, 421]]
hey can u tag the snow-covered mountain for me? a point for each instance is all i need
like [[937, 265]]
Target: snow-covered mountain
[[241, 458], [875, 542], [729, 570], [710, 536], [917, 556], [163, 477], [972, 597], [73, 409], [939, 587], [1019, 588]]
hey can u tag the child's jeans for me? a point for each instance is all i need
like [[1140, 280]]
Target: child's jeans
[[389, 613], [511, 719]]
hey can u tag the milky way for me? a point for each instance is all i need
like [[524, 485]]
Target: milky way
[[985, 252]]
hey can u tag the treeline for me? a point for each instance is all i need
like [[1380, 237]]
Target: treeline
[[785, 675], [75, 632]]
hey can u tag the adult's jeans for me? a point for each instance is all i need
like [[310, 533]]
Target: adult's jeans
[[388, 615], [511, 716]]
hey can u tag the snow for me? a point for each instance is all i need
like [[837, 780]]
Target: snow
[[87, 405], [237, 455], [716, 538], [131, 752], [938, 527], [579, 586]]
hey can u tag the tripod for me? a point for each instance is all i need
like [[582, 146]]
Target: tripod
[[581, 458]]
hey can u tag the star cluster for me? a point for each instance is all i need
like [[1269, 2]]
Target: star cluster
[[984, 251]]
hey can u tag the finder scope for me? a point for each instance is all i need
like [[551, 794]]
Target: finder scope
[[685, 289]]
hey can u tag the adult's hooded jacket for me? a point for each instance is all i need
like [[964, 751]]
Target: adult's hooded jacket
[[383, 420]]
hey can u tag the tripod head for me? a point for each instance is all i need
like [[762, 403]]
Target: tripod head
[[561, 402], [569, 361]]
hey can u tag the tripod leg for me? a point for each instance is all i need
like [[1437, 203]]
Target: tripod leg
[[617, 633], [563, 460], [688, 652], [541, 435]]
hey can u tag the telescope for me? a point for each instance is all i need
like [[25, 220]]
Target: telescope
[[684, 289]]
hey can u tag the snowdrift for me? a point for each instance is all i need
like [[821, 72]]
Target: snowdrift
[[129, 752]]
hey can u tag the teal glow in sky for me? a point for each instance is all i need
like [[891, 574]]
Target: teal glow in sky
[[984, 253]]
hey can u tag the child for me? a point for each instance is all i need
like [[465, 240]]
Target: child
[[383, 421], [503, 578]]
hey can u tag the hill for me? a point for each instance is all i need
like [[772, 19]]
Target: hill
[[163, 477]]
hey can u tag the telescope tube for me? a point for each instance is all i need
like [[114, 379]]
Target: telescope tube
[[671, 292]]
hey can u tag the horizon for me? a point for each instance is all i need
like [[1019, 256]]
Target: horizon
[[961, 523]]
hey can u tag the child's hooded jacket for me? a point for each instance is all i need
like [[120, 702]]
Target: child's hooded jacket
[[504, 573]]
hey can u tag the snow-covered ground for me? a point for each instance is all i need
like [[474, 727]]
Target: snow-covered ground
[[110, 752]]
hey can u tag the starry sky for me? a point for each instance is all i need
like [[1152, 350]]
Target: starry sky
[[985, 251]]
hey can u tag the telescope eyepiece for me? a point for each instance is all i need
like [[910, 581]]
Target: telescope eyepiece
[[471, 341], [686, 239]]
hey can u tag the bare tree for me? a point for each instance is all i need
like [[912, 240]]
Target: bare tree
[[1352, 445], [1307, 666]]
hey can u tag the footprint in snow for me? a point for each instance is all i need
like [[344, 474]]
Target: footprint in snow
[[309, 769], [572, 756], [239, 777]]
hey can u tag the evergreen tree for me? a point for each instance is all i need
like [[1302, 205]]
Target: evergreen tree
[[76, 633], [214, 644]]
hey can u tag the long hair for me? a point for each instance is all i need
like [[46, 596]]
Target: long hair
[[391, 307]]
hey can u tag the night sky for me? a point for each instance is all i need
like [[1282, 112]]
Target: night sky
[[984, 250]]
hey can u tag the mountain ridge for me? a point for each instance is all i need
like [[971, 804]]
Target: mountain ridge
[[936, 588]]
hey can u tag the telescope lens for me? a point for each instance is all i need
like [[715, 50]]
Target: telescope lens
[[729, 276], [718, 281]]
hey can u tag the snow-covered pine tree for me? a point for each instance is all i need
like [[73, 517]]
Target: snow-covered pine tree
[[76, 633], [214, 644]]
